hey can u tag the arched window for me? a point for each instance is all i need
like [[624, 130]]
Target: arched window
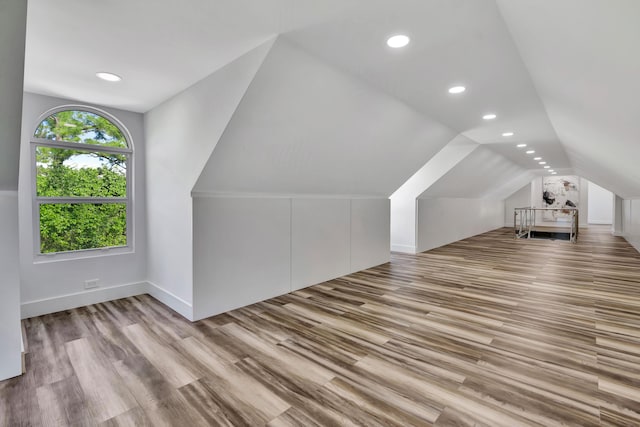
[[82, 186]]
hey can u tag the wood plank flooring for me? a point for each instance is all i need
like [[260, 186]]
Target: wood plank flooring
[[488, 331]]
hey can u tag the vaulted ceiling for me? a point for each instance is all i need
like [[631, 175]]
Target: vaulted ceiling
[[560, 74]]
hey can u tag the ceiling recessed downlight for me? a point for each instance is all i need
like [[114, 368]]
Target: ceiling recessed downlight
[[537, 158], [457, 89], [489, 116], [397, 41], [530, 152], [506, 134], [521, 145], [542, 163], [110, 77], [547, 167], [554, 173]]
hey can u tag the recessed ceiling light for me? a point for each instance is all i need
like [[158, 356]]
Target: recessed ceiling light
[[457, 89], [537, 158], [530, 152], [521, 145], [547, 167], [554, 173], [397, 41], [507, 134], [490, 116], [110, 77], [542, 163]]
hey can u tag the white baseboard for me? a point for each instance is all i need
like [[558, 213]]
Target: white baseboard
[[95, 296], [170, 300], [80, 299], [597, 222], [403, 248], [633, 241]]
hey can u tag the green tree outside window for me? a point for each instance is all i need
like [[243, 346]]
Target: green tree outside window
[[95, 169]]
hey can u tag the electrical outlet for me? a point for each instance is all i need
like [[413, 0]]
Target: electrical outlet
[[90, 284]]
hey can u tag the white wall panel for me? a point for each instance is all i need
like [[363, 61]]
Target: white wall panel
[[319, 240], [600, 206], [632, 222], [442, 221], [241, 252], [370, 238], [248, 249], [10, 341]]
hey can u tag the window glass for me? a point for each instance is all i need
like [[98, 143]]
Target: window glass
[[72, 227], [81, 172], [78, 173], [81, 126]]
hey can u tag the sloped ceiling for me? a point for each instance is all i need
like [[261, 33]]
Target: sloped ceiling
[[481, 175], [452, 42], [158, 47], [561, 75], [183, 131], [438, 165], [583, 57], [304, 127]]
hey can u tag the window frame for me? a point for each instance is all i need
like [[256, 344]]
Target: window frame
[[37, 201]]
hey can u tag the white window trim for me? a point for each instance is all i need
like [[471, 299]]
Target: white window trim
[[37, 201]]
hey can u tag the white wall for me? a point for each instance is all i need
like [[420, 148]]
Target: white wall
[[10, 335], [600, 205], [445, 220], [13, 18], [248, 249], [403, 200], [631, 221], [49, 286], [369, 233], [182, 133], [242, 252], [403, 224], [519, 199], [618, 219], [319, 240]]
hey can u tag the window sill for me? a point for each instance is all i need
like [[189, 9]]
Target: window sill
[[82, 254]]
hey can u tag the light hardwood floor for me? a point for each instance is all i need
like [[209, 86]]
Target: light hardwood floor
[[488, 331]]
